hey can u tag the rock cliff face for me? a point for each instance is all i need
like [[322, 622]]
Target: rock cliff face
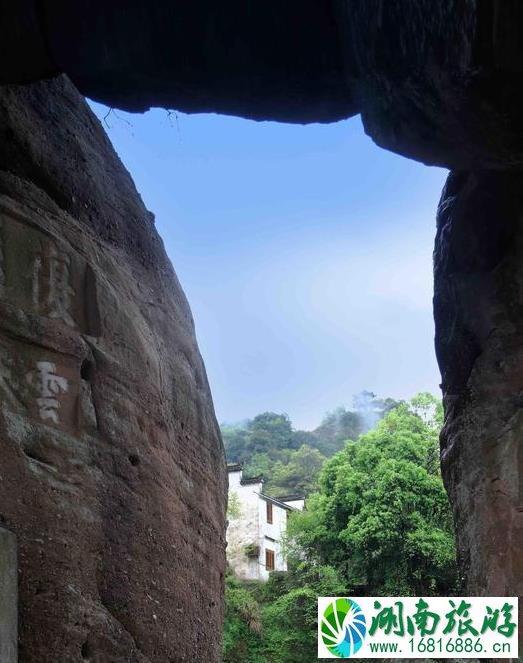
[[112, 473], [438, 81], [477, 304], [112, 466], [243, 58], [435, 80]]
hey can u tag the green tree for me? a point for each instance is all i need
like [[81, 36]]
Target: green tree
[[234, 507], [336, 428], [270, 432], [299, 474], [301, 437], [268, 446], [235, 441], [259, 464], [379, 523], [290, 627], [276, 621], [242, 639], [382, 517], [289, 611]]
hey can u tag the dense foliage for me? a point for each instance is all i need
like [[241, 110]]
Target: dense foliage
[[379, 523], [267, 433], [381, 516], [290, 460], [267, 445], [275, 622], [242, 639], [295, 471]]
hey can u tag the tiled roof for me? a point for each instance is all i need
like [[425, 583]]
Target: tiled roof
[[277, 502], [248, 480], [290, 498]]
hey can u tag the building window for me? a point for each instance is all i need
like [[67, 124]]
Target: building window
[[269, 512], [269, 560]]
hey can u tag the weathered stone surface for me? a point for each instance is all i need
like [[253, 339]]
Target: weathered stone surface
[[478, 298], [436, 80], [244, 58], [8, 597], [113, 475]]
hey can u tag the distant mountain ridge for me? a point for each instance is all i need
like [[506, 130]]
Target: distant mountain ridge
[[290, 460]]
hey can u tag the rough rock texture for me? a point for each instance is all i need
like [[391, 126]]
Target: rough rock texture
[[112, 472], [479, 341], [436, 80], [8, 597], [245, 58], [440, 81]]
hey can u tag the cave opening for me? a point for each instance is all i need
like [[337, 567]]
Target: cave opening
[[304, 250], [306, 255], [84, 277]]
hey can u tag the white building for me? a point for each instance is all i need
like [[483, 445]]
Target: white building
[[257, 524]]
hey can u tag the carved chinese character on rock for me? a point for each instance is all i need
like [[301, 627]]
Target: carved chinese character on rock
[[52, 291], [42, 274], [48, 386]]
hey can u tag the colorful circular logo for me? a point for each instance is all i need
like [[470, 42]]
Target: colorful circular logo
[[343, 627]]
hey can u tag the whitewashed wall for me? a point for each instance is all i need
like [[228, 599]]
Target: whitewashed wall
[[275, 531], [296, 504], [244, 527], [247, 516]]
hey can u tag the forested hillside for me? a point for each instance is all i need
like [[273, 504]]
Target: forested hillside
[[377, 522], [290, 460]]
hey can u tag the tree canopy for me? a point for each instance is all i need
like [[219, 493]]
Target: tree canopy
[[381, 516], [289, 459], [378, 522]]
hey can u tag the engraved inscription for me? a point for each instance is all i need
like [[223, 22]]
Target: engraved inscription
[[43, 274], [49, 386], [52, 290]]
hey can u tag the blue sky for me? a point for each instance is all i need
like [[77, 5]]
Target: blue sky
[[305, 253]]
